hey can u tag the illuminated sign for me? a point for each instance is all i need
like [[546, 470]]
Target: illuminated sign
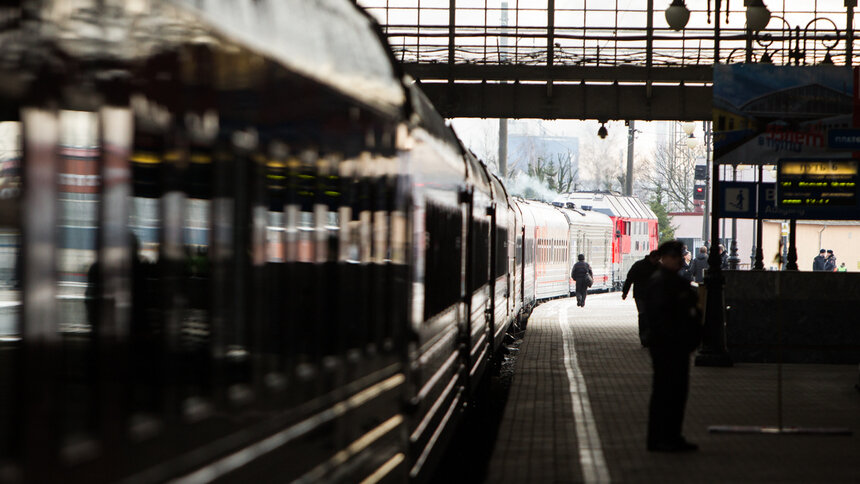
[[817, 183]]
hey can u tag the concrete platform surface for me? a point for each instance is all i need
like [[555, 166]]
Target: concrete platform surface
[[577, 410]]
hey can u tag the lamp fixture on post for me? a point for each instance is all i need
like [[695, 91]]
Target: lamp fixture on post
[[692, 142], [758, 16], [602, 133], [677, 15], [688, 127]]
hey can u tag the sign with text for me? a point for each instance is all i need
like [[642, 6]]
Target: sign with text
[[804, 183], [844, 139], [765, 112], [768, 208]]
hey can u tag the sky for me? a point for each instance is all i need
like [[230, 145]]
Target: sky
[[481, 135]]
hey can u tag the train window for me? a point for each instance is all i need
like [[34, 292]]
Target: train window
[[10, 276], [87, 285], [480, 254], [442, 261], [501, 251]]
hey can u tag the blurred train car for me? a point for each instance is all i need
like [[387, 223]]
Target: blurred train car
[[285, 264], [551, 250], [591, 236], [634, 226], [232, 199], [526, 225]]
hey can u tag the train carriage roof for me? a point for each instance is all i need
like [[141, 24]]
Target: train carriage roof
[[544, 214], [332, 42], [610, 204], [589, 218], [500, 192], [426, 115]]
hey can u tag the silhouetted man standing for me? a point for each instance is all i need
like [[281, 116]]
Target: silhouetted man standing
[[818, 261], [829, 262], [675, 331], [638, 276]]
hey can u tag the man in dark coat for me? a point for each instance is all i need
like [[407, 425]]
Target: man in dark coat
[[818, 261], [581, 273], [675, 328], [638, 275], [830, 262], [724, 258], [700, 263]]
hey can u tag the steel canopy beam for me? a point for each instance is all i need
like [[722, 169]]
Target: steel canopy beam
[[480, 72], [571, 101]]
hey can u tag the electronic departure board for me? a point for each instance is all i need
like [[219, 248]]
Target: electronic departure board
[[817, 183]]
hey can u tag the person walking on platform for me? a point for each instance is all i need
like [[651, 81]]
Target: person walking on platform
[[674, 322], [583, 277], [830, 262], [818, 261], [700, 263], [638, 275]]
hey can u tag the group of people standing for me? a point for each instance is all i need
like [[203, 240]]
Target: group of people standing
[[693, 269], [826, 261], [670, 327]]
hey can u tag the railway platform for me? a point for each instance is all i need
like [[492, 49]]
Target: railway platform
[[578, 404]]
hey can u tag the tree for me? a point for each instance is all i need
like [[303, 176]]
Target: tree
[[543, 170], [565, 175], [669, 174], [664, 221]]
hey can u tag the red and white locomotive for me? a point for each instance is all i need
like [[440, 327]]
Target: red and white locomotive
[[634, 227]]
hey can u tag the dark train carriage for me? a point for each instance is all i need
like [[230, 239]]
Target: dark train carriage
[[527, 258], [436, 186], [243, 307], [502, 268], [478, 268]]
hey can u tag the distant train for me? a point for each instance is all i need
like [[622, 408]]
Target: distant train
[[634, 227], [250, 254]]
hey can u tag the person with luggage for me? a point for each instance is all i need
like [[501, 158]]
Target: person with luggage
[[583, 277]]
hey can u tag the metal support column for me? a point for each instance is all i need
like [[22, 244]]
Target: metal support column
[[649, 51], [792, 246], [717, 7], [707, 128], [503, 147], [759, 226], [849, 32], [503, 122], [631, 136], [734, 259], [713, 351], [749, 39], [550, 42], [452, 25]]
